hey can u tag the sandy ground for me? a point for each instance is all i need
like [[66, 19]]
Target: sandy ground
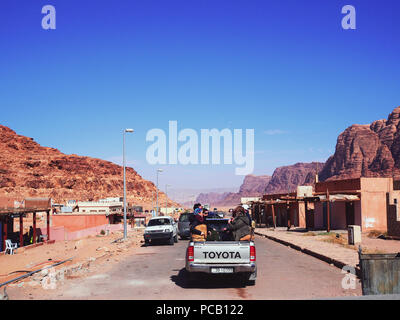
[[373, 245], [157, 272], [101, 251]]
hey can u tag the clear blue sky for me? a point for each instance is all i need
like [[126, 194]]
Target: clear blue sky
[[285, 68]]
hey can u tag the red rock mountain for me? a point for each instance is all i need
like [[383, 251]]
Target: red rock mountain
[[367, 151], [254, 184], [287, 178], [283, 179], [29, 170], [213, 198]]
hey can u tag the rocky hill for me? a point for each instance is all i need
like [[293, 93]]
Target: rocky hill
[[254, 184], [283, 179], [367, 151], [28, 169], [212, 198], [287, 178]]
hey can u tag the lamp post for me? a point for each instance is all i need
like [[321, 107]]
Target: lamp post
[[158, 171], [166, 198], [152, 204], [123, 160]]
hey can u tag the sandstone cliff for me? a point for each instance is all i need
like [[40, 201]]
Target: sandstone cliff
[[283, 179], [28, 169], [367, 151], [287, 178]]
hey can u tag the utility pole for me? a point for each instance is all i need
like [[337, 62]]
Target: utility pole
[[158, 171], [152, 204], [123, 160], [328, 212], [166, 198]]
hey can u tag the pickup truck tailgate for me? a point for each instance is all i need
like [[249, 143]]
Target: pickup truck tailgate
[[223, 252]]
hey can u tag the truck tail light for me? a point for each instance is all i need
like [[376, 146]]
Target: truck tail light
[[252, 253], [190, 253]]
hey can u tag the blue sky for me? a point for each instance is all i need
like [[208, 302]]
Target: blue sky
[[285, 68]]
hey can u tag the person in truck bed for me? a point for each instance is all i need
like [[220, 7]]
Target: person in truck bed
[[198, 228], [240, 225]]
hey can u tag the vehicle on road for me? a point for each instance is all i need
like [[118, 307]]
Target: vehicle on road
[[162, 228], [184, 226], [219, 254]]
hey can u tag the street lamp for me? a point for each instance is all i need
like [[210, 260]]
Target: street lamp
[[152, 204], [123, 160], [166, 198], [158, 171]]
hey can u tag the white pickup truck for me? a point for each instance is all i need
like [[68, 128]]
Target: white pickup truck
[[223, 256], [161, 228]]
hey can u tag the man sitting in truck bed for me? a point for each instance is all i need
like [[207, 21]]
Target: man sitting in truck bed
[[240, 225], [198, 228]]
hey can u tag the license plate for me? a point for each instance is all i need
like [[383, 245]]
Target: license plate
[[221, 270]]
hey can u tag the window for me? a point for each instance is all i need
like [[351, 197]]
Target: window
[[184, 217], [159, 222]]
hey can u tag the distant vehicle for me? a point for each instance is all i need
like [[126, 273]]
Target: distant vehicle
[[162, 229], [184, 226], [216, 214], [220, 214]]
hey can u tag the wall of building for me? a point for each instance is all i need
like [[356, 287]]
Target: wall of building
[[338, 185], [338, 215], [61, 234], [377, 184], [76, 222], [373, 211], [393, 214], [370, 213], [301, 214], [318, 216]]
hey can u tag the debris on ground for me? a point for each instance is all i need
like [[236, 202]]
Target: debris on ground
[[85, 252]]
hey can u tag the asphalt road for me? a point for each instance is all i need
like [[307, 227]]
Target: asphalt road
[[157, 272]]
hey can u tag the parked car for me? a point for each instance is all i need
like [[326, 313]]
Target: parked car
[[184, 226], [161, 228]]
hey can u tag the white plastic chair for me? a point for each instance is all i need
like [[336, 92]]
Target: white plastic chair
[[11, 246]]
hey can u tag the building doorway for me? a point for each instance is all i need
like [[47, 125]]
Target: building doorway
[[350, 213]]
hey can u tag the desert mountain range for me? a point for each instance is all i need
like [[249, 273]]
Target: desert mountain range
[[371, 150], [28, 169], [283, 179]]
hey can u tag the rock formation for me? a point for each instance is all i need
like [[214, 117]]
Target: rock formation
[[367, 151], [28, 169], [283, 179], [287, 178]]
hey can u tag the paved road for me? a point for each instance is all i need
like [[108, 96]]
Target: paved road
[[157, 272]]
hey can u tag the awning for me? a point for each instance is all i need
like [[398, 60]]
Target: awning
[[340, 197]]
